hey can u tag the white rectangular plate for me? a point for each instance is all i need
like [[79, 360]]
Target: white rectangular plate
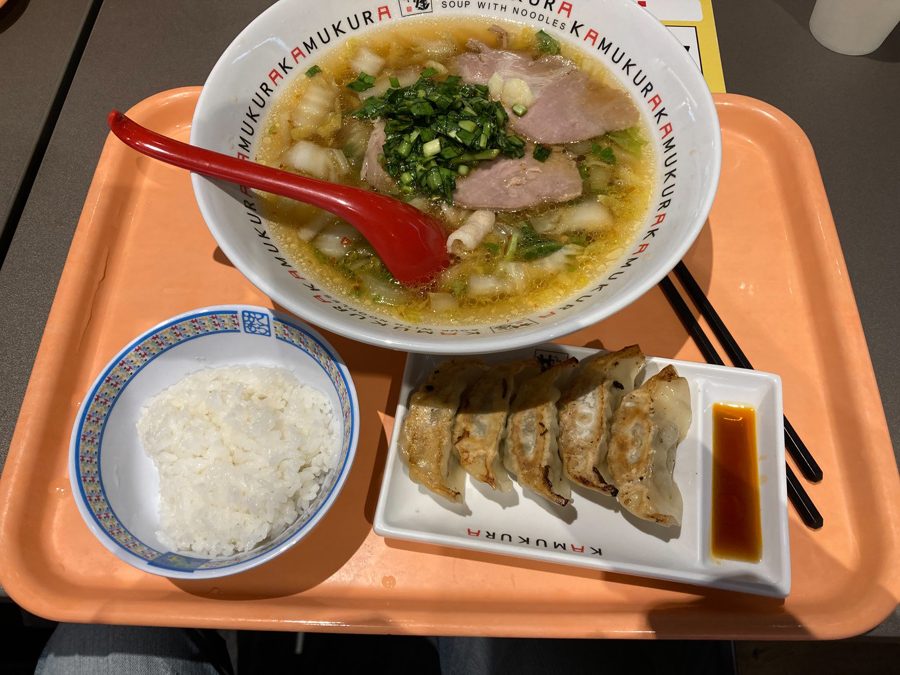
[[593, 531]]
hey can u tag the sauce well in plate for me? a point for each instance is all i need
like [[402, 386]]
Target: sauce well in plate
[[736, 532]]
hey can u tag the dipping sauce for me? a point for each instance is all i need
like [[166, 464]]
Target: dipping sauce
[[736, 528]]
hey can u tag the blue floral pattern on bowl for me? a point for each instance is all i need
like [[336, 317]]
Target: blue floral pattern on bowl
[[256, 323]]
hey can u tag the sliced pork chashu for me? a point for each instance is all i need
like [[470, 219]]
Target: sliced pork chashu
[[510, 183], [568, 106]]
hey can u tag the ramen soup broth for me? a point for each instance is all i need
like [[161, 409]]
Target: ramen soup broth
[[529, 260]]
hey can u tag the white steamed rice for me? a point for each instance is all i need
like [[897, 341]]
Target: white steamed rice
[[241, 452]]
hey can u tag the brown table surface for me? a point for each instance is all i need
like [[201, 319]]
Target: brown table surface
[[38, 40], [847, 106]]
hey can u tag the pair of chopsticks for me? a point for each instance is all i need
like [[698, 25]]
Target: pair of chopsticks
[[793, 443]]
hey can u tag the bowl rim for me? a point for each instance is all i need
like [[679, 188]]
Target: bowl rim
[[136, 561], [479, 344]]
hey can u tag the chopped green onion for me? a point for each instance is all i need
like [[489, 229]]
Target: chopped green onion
[[362, 82], [531, 245], [629, 140], [438, 130], [312, 72], [578, 238], [605, 154], [539, 250], [434, 179], [584, 171], [432, 148], [429, 72], [546, 43], [458, 287], [513, 245], [370, 109], [519, 109], [421, 109], [404, 148], [541, 153], [395, 83], [465, 136], [486, 154]]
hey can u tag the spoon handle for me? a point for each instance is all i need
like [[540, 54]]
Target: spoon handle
[[411, 243], [232, 169]]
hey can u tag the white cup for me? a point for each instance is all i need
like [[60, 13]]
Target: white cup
[[853, 27]]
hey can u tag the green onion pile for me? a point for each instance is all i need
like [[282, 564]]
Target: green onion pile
[[437, 130]]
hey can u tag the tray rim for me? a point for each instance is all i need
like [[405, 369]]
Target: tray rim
[[23, 583]]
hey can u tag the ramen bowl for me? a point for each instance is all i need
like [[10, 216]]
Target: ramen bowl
[[636, 50]]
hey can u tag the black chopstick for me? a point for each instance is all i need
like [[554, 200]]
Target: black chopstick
[[792, 441], [802, 502], [690, 323]]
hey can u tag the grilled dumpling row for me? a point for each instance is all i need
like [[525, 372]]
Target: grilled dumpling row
[[581, 422]]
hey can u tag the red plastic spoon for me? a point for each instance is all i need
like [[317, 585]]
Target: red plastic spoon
[[411, 243]]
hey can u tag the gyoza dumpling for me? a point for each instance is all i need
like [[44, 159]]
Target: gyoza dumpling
[[586, 410], [647, 428], [530, 449], [480, 422], [426, 439]]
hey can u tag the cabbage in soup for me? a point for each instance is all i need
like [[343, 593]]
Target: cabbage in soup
[[533, 158]]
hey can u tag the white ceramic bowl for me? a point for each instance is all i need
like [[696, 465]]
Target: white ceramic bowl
[[115, 483], [649, 62]]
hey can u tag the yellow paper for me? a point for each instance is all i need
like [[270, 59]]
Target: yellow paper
[[700, 40], [697, 35]]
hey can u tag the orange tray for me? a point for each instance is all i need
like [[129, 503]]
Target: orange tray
[[771, 262]]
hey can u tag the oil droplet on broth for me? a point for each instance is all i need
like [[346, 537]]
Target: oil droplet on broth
[[388, 582]]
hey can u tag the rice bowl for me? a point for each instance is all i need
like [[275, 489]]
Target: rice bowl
[[117, 487]]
